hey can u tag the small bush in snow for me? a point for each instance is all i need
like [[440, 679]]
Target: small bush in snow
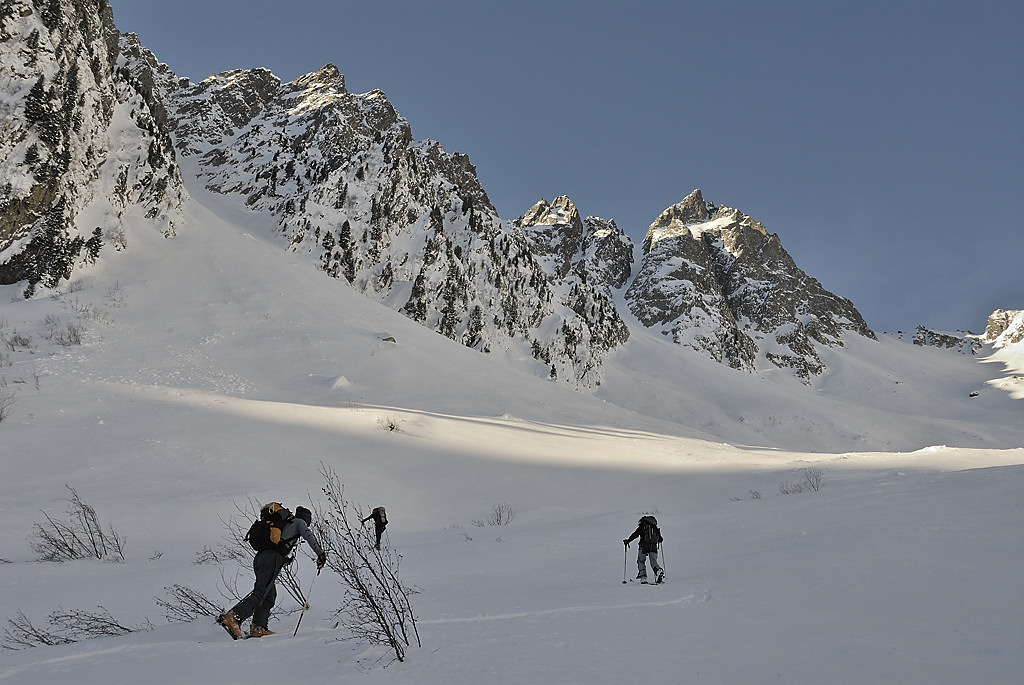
[[66, 626], [80, 536], [22, 633], [375, 605], [186, 604], [788, 488], [814, 478], [16, 340], [209, 555], [389, 424], [63, 333], [6, 402], [501, 515]]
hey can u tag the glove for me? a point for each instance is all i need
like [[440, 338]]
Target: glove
[[320, 561], [626, 543]]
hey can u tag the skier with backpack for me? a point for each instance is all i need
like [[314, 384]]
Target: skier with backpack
[[274, 537], [650, 537], [380, 522]]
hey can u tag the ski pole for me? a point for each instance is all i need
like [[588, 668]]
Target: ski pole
[[305, 603], [625, 550], [664, 565]]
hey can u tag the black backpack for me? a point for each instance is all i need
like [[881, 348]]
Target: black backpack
[[265, 533], [650, 535]]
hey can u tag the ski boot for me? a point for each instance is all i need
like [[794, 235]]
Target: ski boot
[[259, 631], [230, 624]]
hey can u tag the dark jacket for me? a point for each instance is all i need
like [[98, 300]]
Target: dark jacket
[[650, 545]]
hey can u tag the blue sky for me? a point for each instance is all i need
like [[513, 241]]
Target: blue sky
[[882, 141]]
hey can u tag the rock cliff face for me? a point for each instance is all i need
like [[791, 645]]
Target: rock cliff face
[[402, 221], [77, 127], [93, 119], [1005, 327], [964, 342], [714, 280]]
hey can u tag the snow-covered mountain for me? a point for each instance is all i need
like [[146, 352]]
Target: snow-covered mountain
[[401, 221], [100, 130]]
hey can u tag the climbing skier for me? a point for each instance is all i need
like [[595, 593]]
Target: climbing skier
[[380, 522], [270, 558], [650, 537]]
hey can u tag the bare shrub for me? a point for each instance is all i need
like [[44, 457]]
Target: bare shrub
[[210, 555], [375, 606], [814, 478], [81, 536], [66, 333], [16, 340], [788, 488], [389, 424], [66, 626], [6, 403], [21, 633], [116, 295], [501, 515], [186, 604], [84, 625]]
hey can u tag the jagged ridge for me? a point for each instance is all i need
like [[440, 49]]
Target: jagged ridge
[[400, 220], [714, 279]]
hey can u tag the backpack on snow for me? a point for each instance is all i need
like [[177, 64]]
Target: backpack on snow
[[650, 535], [265, 532]]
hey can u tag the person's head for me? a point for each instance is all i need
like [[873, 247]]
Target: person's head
[[304, 514]]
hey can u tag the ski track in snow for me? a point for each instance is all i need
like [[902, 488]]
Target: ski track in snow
[[686, 599]]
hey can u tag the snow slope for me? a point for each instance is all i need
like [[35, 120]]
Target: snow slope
[[216, 368]]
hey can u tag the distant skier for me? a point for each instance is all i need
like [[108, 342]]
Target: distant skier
[[380, 522], [650, 537]]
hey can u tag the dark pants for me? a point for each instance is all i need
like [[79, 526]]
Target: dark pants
[[258, 603]]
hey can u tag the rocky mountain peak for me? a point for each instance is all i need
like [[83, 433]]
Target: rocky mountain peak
[[322, 87], [326, 77], [556, 232], [679, 217], [1005, 327], [714, 280]]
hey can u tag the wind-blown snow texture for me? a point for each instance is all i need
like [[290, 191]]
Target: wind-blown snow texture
[[214, 367]]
